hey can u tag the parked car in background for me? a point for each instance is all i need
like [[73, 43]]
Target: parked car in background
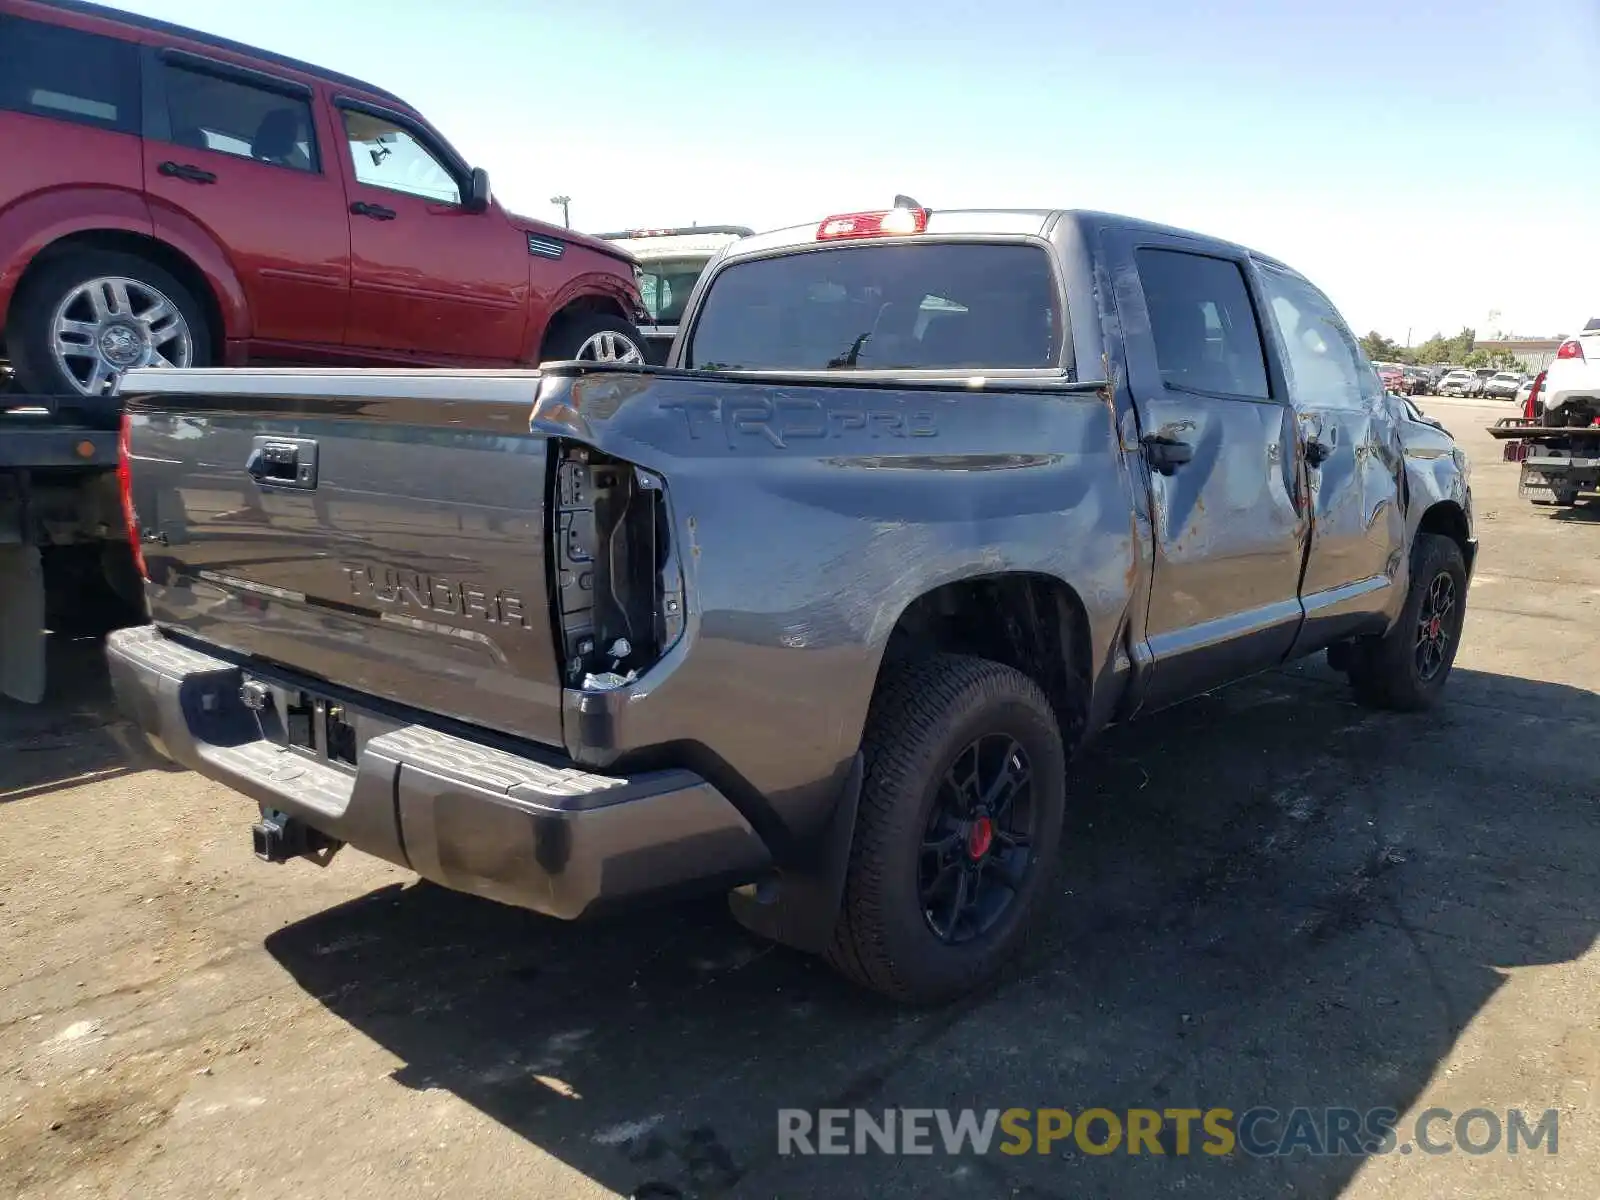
[[1503, 385], [1459, 382], [1393, 377], [1571, 391], [670, 260], [1480, 379], [170, 198], [1418, 380]]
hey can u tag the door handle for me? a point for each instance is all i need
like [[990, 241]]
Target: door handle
[[376, 211], [1317, 452], [1165, 454], [193, 174]]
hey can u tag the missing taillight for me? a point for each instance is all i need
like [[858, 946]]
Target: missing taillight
[[619, 590]]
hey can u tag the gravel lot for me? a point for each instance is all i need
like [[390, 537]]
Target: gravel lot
[[1269, 896]]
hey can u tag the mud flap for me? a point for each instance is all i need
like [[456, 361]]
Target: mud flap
[[799, 908], [22, 638]]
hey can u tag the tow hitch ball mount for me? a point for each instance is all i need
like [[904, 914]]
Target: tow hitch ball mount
[[278, 837]]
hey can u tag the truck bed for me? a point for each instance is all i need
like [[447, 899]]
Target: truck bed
[[433, 540]]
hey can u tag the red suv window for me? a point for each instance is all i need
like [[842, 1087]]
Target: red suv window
[[52, 71], [209, 112]]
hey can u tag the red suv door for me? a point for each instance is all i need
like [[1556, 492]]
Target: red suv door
[[428, 277], [238, 152]]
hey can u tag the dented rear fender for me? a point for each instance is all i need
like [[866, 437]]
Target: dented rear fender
[[807, 519]]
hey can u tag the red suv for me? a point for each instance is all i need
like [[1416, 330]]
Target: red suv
[[172, 198]]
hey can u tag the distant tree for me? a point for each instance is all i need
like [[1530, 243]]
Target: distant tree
[[1379, 348], [1435, 350], [1500, 360]]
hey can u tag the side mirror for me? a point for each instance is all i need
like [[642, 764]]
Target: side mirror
[[477, 197]]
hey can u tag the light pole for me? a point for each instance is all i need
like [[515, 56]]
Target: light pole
[[563, 201]]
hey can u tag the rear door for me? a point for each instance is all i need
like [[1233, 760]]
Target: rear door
[[429, 278], [238, 152], [1354, 464], [1229, 530], [383, 531]]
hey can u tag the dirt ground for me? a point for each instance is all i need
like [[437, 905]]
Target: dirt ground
[[1268, 897]]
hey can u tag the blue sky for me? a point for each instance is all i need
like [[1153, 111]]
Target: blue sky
[[1427, 162]]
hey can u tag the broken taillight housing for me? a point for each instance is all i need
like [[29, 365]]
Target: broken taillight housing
[[130, 517], [619, 585], [1530, 409]]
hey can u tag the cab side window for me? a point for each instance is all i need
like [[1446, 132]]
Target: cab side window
[[1204, 326], [1325, 363], [53, 71]]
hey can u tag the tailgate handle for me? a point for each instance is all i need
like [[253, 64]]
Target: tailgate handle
[[283, 462]]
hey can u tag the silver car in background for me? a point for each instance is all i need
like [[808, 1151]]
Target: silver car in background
[[1503, 385]]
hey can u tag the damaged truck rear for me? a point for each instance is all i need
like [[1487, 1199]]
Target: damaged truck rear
[[819, 612]]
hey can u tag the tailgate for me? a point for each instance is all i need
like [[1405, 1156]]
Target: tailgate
[[381, 530]]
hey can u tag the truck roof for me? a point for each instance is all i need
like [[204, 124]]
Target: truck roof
[[997, 222]]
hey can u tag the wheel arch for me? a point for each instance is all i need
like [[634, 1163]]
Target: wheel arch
[[151, 249], [594, 292], [1448, 518], [1029, 620]]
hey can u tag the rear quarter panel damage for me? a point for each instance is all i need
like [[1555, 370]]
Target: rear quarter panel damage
[[807, 519]]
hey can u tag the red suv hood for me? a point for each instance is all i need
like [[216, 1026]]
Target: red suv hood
[[571, 236]]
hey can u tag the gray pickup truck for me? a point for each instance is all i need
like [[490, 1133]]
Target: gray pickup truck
[[819, 612]]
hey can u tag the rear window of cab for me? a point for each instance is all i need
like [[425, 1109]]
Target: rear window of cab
[[927, 306]]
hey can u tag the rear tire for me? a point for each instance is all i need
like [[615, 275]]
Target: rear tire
[[931, 720], [1397, 671], [181, 334], [594, 337], [86, 592]]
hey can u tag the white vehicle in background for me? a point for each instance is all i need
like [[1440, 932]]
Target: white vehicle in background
[[1459, 382], [1525, 393], [1502, 385], [1571, 391], [670, 261]]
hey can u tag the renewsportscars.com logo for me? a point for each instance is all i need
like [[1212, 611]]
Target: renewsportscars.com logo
[[1261, 1132]]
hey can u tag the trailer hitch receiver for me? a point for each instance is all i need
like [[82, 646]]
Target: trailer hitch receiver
[[278, 837]]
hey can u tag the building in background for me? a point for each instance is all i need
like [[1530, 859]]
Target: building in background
[[1535, 354]]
